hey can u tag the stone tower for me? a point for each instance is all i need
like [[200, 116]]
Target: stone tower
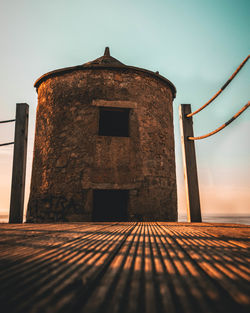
[[104, 145]]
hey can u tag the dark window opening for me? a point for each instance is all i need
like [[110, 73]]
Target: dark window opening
[[114, 122], [110, 205]]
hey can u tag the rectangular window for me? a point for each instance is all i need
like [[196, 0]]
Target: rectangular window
[[114, 122]]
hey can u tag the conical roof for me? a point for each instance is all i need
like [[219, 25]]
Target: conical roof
[[105, 62], [105, 59]]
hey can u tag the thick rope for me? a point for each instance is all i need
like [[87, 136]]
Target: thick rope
[[224, 125], [8, 121], [6, 144], [222, 88]]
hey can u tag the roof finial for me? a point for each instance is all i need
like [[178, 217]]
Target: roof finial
[[106, 52]]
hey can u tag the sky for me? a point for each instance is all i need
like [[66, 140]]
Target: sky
[[196, 44]]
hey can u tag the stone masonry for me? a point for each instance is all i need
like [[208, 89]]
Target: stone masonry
[[71, 159]]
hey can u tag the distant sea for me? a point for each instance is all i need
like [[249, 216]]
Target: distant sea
[[238, 219], [233, 219]]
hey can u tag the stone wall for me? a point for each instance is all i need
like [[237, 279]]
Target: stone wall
[[70, 159]]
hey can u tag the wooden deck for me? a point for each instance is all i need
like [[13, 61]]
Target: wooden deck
[[124, 267]]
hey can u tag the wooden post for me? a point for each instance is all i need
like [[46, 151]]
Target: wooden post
[[19, 163], [189, 165]]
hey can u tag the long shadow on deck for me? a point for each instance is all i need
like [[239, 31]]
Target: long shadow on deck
[[129, 267]]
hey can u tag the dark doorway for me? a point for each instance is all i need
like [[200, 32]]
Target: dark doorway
[[114, 122], [110, 205]]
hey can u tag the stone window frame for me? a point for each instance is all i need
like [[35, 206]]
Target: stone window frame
[[118, 104], [114, 104]]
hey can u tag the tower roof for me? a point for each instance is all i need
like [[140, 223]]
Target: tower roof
[[105, 59], [104, 62]]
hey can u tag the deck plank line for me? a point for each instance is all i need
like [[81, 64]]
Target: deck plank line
[[58, 279], [143, 267], [226, 285], [177, 274], [82, 297], [128, 286], [164, 299], [107, 287], [34, 279], [79, 271], [51, 254], [131, 299], [219, 259], [53, 245], [199, 289], [47, 235], [226, 260]]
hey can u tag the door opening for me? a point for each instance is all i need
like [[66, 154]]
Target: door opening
[[110, 205]]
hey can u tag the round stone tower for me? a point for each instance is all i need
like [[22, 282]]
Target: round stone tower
[[104, 145]]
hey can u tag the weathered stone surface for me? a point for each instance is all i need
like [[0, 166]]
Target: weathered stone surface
[[70, 159]]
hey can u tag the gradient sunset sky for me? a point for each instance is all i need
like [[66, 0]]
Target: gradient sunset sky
[[197, 44]]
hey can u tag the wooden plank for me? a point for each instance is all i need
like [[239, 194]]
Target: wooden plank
[[19, 163], [124, 267], [189, 165], [214, 256]]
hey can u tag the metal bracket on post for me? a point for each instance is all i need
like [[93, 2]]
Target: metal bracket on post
[[19, 163], [189, 165]]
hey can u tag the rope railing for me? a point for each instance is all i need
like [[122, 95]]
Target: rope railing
[[19, 162], [222, 88], [7, 121], [188, 149], [7, 143], [224, 125]]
